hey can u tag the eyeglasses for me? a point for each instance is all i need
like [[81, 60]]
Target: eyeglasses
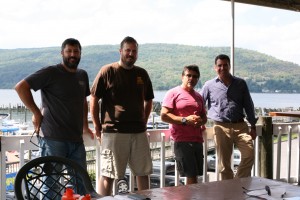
[[37, 136], [190, 75], [267, 188]]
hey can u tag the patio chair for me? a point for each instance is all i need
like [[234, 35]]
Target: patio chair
[[63, 173]]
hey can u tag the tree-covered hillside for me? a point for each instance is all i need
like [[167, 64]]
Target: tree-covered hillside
[[164, 63]]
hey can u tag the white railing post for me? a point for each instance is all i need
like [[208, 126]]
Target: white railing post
[[217, 163], [255, 165], [95, 143], [176, 174], [258, 133], [278, 160], [289, 146], [298, 157], [3, 170], [98, 165], [21, 153], [21, 156], [162, 160], [204, 135], [131, 182]]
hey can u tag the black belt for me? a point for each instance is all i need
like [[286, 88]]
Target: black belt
[[236, 121], [233, 121]]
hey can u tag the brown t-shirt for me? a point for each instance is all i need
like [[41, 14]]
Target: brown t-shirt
[[122, 93]]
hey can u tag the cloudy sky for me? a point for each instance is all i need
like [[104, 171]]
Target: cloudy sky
[[45, 23]]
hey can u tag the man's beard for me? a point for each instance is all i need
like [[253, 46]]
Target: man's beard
[[71, 65], [129, 63]]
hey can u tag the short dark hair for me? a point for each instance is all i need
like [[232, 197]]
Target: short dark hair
[[70, 41], [128, 39], [222, 57], [194, 68]]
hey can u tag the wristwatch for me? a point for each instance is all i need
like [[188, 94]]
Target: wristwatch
[[184, 121]]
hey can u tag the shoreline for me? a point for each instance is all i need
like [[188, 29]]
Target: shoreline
[[260, 100]]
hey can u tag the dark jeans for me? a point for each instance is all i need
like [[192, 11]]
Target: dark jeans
[[72, 150]]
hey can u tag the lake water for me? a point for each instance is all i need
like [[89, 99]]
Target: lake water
[[9, 97], [262, 100]]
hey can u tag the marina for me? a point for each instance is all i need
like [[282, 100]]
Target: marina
[[263, 102], [10, 126]]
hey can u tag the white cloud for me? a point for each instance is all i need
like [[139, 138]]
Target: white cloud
[[42, 23], [271, 31]]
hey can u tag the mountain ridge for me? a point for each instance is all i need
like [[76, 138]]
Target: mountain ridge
[[164, 63]]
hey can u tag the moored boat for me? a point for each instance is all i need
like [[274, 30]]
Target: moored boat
[[10, 126]]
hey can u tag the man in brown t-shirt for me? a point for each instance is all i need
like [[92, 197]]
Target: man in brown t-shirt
[[126, 94]]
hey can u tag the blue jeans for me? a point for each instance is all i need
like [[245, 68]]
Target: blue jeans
[[72, 150]]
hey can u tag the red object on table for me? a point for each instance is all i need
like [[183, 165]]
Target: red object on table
[[86, 197], [69, 195]]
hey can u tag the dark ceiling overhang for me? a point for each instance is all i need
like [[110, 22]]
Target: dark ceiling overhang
[[293, 5]]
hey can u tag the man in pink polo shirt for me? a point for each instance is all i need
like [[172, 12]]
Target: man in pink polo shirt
[[183, 108]]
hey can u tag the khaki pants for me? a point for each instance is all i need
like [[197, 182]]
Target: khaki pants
[[227, 135]]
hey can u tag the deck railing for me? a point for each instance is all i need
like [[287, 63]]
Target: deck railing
[[287, 152], [283, 158]]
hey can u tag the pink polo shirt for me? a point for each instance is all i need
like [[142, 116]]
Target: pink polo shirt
[[184, 103]]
